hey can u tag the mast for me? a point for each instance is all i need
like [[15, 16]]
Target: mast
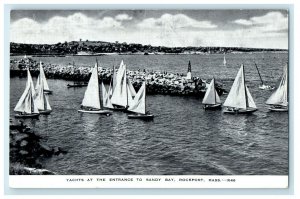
[[215, 91], [98, 80], [247, 103], [259, 74]]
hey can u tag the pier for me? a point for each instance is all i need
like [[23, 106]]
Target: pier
[[158, 82]]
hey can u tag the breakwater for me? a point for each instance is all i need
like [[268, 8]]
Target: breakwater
[[158, 82], [27, 150]]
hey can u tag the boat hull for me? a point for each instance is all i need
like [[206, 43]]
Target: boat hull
[[33, 115], [278, 108], [240, 111], [48, 91], [266, 87], [119, 108], [45, 112], [105, 112], [212, 107], [140, 116], [76, 86]]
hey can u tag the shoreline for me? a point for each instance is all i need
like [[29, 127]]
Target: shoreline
[[27, 150]]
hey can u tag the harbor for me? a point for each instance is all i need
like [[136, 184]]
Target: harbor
[[206, 138]]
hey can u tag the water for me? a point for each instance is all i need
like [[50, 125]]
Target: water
[[183, 139]]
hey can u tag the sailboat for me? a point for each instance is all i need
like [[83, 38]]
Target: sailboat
[[211, 98], [42, 101], [239, 99], [278, 101], [224, 60], [119, 98], [26, 107], [263, 86], [138, 105], [42, 80], [91, 100]]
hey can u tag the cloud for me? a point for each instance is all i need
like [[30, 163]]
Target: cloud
[[244, 22], [123, 17], [177, 21], [267, 31], [270, 22], [58, 29]]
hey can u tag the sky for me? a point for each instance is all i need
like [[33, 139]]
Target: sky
[[227, 28]]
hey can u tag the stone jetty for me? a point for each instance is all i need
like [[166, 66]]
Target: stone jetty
[[27, 150], [158, 82]]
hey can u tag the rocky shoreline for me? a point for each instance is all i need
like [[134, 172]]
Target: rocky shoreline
[[27, 150], [158, 82]]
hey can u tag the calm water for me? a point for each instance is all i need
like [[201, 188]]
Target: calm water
[[183, 139]]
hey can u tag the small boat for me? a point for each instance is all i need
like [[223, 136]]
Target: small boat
[[278, 101], [77, 84], [138, 105], [239, 99], [211, 98], [42, 80], [224, 60], [26, 107], [42, 101], [263, 86], [91, 100]]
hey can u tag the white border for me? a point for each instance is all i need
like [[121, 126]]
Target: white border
[[148, 181], [295, 116]]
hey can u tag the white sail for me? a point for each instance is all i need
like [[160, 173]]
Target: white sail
[[218, 100], [106, 97], [47, 104], [139, 101], [279, 97], [26, 103], [91, 96], [131, 88], [30, 82], [130, 98], [41, 99], [224, 60], [42, 77], [114, 78], [237, 96], [251, 102], [211, 96], [119, 96], [38, 83]]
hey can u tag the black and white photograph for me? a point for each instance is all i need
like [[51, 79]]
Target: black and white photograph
[[145, 92]]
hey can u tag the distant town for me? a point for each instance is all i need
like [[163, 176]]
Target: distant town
[[100, 47]]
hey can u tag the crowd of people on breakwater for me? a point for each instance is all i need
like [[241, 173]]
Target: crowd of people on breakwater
[[157, 82]]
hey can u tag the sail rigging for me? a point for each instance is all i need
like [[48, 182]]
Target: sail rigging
[[262, 82]]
